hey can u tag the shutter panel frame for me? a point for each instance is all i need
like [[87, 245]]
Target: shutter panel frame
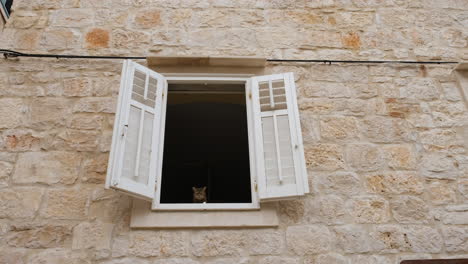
[[268, 191], [146, 159]]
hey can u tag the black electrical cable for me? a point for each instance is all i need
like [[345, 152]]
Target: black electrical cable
[[11, 53]]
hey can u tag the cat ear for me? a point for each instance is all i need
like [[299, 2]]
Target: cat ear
[[204, 188], [193, 188]]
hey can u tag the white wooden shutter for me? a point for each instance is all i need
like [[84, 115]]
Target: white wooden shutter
[[135, 152], [281, 169]]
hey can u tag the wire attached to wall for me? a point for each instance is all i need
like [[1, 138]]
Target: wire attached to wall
[[12, 54]]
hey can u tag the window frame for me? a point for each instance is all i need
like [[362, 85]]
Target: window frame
[[244, 79], [5, 13]]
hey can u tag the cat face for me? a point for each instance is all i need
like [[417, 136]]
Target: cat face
[[199, 194]]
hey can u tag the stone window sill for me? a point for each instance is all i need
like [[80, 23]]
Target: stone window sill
[[144, 217]]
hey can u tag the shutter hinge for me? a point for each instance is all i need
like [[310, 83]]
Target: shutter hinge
[[250, 95], [256, 188], [124, 130]]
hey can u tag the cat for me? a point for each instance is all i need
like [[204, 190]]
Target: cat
[[199, 194]]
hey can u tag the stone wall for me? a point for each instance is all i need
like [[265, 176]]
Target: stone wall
[[385, 149]]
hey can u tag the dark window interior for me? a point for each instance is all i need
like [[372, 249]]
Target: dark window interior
[[206, 144], [8, 4]]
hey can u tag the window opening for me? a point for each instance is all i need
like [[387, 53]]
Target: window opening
[[206, 145]]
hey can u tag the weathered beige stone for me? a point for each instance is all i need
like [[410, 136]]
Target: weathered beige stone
[[364, 157], [158, 244], [47, 167], [27, 39], [20, 202], [424, 239], [421, 88], [331, 258], [58, 256], [332, 209], [265, 242], [409, 209], [22, 140], [356, 239], [371, 259], [66, 203], [387, 130], [369, 209], [48, 112], [310, 239], [441, 192], [86, 121], [343, 183], [95, 168], [183, 261], [80, 140], [148, 18], [339, 128], [129, 39], [393, 238], [324, 157], [9, 256], [95, 235], [400, 157], [95, 105], [72, 18], [77, 87], [5, 170], [438, 165], [47, 236], [60, 39], [456, 238], [97, 38], [463, 186], [394, 183], [221, 243], [11, 112], [278, 260]]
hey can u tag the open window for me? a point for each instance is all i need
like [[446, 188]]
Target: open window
[[206, 143]]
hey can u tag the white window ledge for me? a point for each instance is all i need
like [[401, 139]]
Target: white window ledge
[[144, 217]]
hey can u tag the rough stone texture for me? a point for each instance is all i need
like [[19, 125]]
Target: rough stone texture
[[47, 167], [385, 144], [305, 240]]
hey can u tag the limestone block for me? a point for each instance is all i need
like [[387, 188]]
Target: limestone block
[[455, 215], [438, 165], [439, 137], [409, 209], [400, 157], [129, 39], [48, 112], [398, 182], [5, 170], [265, 242], [26, 39], [97, 38], [221, 243], [422, 89], [20, 202], [441, 192], [47, 167], [85, 121], [11, 112], [60, 39], [393, 237], [95, 168], [463, 186], [95, 235], [148, 18], [80, 140], [326, 157], [339, 128], [356, 239], [47, 236], [381, 129], [72, 18], [182, 261], [424, 239], [28, 19], [448, 114], [456, 238], [131, 260], [292, 211], [77, 87], [9, 256], [342, 183], [158, 244], [369, 209], [332, 209], [371, 259], [58, 256], [278, 260], [310, 128], [23, 140], [331, 258], [451, 92], [310, 239], [364, 157], [95, 105], [66, 203]]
